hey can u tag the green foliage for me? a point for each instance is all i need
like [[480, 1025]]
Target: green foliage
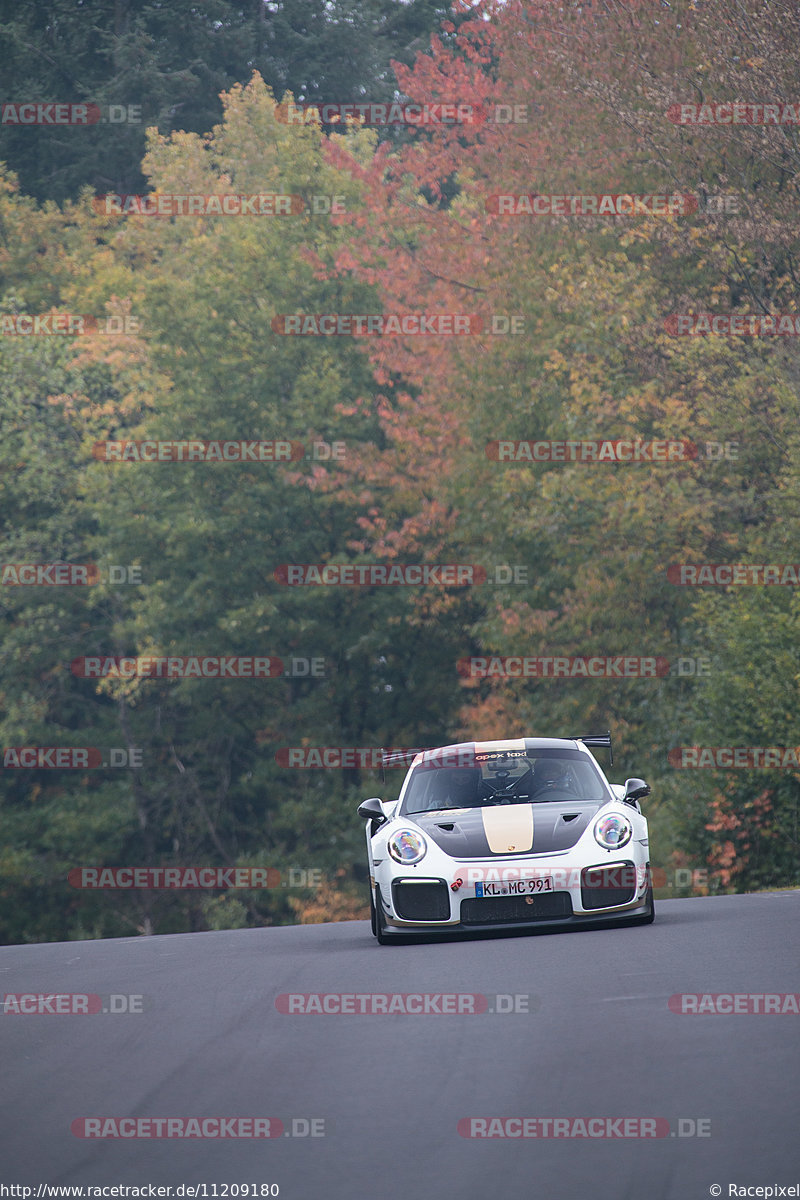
[[203, 360], [171, 62]]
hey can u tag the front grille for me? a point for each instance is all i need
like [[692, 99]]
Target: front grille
[[603, 887], [491, 910], [421, 901]]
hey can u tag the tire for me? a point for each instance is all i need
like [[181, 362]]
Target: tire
[[372, 918], [650, 915], [380, 920]]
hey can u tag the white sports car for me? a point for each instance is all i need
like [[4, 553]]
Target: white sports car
[[488, 835]]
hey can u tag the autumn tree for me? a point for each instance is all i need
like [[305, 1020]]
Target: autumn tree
[[599, 358]]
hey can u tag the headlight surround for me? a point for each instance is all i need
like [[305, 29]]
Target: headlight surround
[[613, 831], [407, 846]]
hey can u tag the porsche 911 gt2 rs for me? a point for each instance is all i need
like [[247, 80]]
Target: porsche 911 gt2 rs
[[526, 832]]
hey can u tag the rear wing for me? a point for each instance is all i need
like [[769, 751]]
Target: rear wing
[[396, 758], [597, 739], [393, 757]]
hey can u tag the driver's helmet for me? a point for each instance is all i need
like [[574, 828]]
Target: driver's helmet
[[462, 785], [552, 773]]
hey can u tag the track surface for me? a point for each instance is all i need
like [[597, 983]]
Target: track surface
[[392, 1088]]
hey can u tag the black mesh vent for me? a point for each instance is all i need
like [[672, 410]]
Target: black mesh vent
[[495, 909], [421, 901], [603, 887]]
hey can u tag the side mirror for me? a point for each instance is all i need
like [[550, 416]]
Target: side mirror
[[635, 789], [371, 810]]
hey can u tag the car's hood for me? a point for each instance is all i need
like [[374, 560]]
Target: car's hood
[[508, 828]]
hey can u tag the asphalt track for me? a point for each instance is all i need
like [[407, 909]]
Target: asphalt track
[[391, 1089]]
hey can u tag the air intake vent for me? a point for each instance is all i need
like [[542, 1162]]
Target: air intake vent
[[423, 901], [605, 887], [509, 909]]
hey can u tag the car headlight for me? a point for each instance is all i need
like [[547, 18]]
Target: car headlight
[[406, 846], [613, 831]]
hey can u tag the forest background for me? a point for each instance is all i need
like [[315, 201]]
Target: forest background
[[577, 333]]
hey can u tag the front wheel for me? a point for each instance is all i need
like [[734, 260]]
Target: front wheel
[[380, 920], [650, 915], [372, 919]]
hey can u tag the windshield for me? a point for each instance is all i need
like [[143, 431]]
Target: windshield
[[505, 777]]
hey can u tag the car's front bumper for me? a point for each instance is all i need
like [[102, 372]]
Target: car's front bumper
[[578, 894]]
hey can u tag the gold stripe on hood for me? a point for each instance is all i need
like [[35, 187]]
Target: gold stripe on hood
[[508, 827]]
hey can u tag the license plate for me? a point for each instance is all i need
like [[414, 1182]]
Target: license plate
[[513, 887]]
